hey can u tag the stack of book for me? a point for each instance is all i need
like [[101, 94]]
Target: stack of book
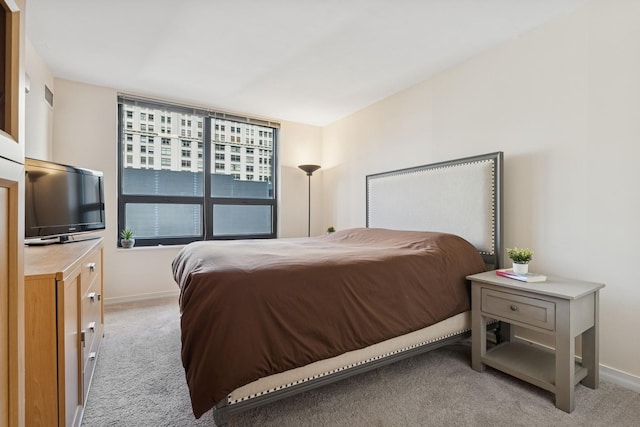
[[528, 277]]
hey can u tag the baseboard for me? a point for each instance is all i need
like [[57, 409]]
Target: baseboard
[[139, 297], [620, 378]]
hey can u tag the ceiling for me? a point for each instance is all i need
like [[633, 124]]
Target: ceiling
[[308, 61]]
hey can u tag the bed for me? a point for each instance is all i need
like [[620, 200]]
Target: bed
[[265, 319]]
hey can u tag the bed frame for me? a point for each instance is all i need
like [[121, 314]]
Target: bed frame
[[462, 197]]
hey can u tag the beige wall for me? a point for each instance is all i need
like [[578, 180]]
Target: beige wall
[[563, 103], [39, 115]]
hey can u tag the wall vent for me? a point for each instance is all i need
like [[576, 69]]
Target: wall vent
[[48, 96]]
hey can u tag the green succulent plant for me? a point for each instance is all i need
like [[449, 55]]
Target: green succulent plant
[[126, 234], [520, 256]]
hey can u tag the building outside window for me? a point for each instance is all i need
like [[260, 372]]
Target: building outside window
[[178, 199]]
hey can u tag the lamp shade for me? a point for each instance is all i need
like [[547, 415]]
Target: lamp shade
[[309, 169]]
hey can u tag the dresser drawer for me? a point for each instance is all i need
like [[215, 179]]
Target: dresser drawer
[[91, 325], [526, 310], [89, 367], [91, 269]]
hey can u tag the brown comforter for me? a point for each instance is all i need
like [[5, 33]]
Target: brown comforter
[[255, 308]]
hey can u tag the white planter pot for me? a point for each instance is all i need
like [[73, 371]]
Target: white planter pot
[[520, 268], [127, 243]]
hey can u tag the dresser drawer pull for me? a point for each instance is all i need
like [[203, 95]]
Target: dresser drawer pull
[[92, 326], [514, 308], [92, 266], [92, 296], [92, 356]]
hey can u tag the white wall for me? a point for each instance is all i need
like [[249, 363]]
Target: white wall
[[563, 103], [85, 134]]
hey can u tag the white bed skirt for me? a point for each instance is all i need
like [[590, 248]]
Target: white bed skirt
[[449, 327]]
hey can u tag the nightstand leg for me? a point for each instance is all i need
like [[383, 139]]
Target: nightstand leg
[[507, 332], [565, 358], [478, 331], [590, 359]]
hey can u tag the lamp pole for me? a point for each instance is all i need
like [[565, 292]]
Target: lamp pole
[[309, 169]]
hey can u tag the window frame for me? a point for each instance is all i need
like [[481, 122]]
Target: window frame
[[207, 202]]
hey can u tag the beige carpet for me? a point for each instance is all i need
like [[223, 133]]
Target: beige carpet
[[139, 381]]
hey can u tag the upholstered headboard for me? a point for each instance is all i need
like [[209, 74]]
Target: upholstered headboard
[[462, 197]]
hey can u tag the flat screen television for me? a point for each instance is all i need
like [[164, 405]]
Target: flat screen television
[[61, 201]]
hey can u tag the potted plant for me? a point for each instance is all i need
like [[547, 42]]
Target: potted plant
[[127, 240], [331, 229], [520, 258]]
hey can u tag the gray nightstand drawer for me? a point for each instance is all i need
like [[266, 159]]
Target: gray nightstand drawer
[[530, 311]]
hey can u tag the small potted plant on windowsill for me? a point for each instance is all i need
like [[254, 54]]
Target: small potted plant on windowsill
[[127, 240], [520, 258]]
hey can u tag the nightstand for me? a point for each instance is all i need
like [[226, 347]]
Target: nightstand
[[562, 308]]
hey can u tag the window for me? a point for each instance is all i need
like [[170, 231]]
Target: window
[[192, 196]]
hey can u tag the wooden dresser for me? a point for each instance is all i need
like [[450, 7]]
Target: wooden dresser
[[63, 328]]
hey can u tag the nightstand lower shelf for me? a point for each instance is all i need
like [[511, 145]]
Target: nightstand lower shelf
[[529, 362]]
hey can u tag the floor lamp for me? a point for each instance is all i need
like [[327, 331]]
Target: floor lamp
[[309, 169]]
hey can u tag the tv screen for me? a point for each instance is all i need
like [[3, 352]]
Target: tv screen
[[62, 200]]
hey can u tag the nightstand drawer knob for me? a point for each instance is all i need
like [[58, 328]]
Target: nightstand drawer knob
[[514, 308]]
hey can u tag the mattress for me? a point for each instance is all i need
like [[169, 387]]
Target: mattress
[[252, 309]]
